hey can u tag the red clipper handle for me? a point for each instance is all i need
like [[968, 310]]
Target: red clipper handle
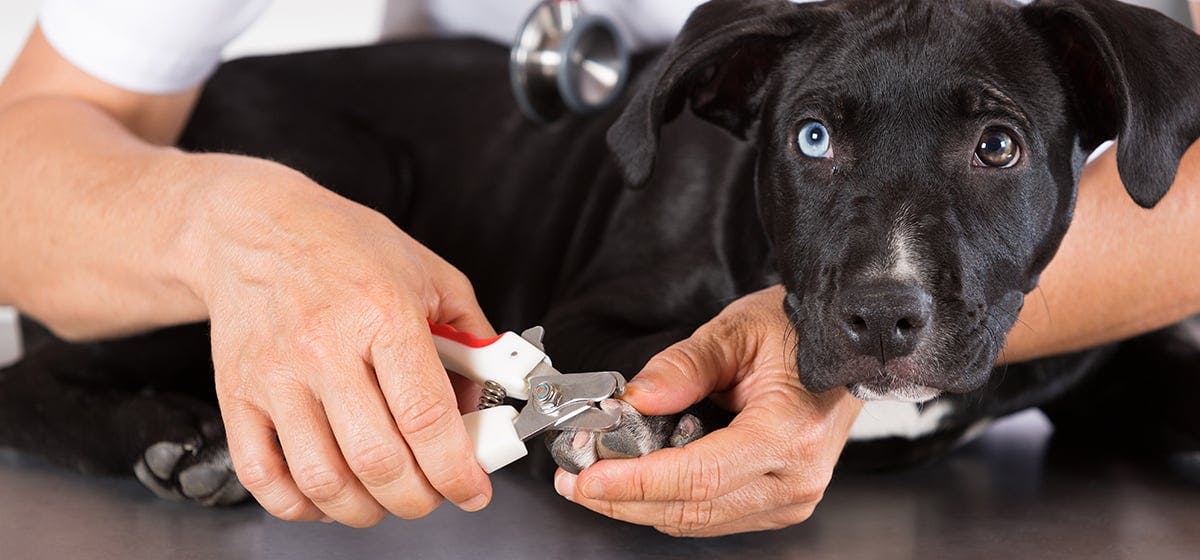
[[465, 338]]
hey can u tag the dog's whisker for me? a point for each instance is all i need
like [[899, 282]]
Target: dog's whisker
[[1045, 303]]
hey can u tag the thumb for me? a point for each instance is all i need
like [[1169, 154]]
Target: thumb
[[682, 375]]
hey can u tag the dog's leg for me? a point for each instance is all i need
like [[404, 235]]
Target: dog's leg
[[1142, 401], [91, 408]]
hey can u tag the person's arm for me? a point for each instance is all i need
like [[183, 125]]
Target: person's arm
[[318, 305], [92, 200], [1121, 271]]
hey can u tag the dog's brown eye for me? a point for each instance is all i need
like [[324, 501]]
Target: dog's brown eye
[[997, 148]]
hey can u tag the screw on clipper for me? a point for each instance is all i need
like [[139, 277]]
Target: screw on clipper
[[546, 395]]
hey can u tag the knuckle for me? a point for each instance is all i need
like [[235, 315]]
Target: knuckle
[[810, 494], [313, 339], [670, 531], [379, 306], [680, 360], [378, 465], [702, 480], [428, 506], [727, 326], [790, 517], [258, 475], [295, 511], [424, 416], [607, 509], [366, 520], [322, 485], [459, 283], [690, 517], [641, 486], [417, 506], [800, 516]]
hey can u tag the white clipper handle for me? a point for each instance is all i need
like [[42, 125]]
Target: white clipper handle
[[494, 437], [507, 360]]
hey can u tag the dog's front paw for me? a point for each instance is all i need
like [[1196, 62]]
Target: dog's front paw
[[198, 469], [637, 435]]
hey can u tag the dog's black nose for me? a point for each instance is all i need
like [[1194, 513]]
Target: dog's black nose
[[885, 318]]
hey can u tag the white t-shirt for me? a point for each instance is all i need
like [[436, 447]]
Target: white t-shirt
[[164, 46]]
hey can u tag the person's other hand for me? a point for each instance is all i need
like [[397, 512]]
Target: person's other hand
[[767, 470], [320, 338]]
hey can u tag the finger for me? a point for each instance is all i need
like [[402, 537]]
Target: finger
[[754, 443], [772, 520], [682, 375], [716, 357], [418, 393], [705, 469], [372, 445], [258, 462], [456, 303], [316, 462], [765, 494]]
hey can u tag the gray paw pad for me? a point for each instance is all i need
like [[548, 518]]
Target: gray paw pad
[[637, 435], [191, 471]]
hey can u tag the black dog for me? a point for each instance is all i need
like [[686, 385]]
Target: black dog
[[905, 169]]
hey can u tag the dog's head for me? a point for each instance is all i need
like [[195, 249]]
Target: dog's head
[[917, 161]]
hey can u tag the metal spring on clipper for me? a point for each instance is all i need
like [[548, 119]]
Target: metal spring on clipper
[[493, 395]]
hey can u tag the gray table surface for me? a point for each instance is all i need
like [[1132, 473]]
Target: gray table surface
[[1005, 495]]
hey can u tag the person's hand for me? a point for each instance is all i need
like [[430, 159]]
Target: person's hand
[[319, 312], [767, 470]]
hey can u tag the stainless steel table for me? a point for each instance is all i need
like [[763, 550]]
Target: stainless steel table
[[1007, 495]]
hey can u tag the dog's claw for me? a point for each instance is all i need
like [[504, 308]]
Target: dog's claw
[[688, 430], [637, 435]]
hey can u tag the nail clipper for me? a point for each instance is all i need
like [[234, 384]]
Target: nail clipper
[[512, 366]]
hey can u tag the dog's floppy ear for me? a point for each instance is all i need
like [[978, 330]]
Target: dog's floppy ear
[[1134, 75], [719, 62]]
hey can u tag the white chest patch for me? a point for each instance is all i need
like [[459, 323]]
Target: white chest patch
[[884, 419]]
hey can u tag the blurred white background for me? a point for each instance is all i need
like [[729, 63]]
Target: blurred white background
[[303, 24], [287, 25]]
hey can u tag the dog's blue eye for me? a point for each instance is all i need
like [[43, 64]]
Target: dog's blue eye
[[813, 139]]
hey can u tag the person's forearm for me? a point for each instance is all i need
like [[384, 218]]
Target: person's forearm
[[91, 218], [1121, 270]]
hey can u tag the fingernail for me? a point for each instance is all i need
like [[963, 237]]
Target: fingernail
[[326, 519], [594, 489], [475, 504], [564, 484], [640, 385]]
